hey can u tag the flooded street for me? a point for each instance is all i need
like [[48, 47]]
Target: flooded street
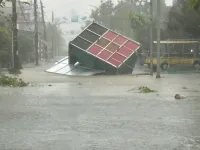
[[100, 113], [49, 48]]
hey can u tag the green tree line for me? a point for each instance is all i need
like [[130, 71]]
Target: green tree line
[[25, 40], [132, 18]]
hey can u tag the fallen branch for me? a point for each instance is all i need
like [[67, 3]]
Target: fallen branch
[[146, 90], [11, 82]]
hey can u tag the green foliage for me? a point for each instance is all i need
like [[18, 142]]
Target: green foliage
[[25, 45], [5, 32], [195, 4], [14, 71], [7, 18], [128, 18], [5, 57], [12, 82], [139, 21], [54, 31], [5, 45], [183, 22], [145, 90]]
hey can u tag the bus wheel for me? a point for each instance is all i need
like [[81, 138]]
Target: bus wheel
[[164, 66], [197, 65]]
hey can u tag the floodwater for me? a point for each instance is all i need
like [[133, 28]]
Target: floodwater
[[100, 113]]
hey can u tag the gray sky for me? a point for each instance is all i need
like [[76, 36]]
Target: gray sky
[[63, 7]]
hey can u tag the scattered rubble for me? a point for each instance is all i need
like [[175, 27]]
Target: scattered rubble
[[184, 88], [146, 90], [79, 83], [178, 97], [14, 71]]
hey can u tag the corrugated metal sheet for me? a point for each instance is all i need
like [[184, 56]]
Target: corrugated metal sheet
[[64, 68], [98, 48]]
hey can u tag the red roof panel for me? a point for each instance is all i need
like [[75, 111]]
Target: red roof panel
[[114, 62], [110, 35], [104, 54], [132, 45], [107, 45], [94, 49], [120, 40], [125, 51], [118, 57]]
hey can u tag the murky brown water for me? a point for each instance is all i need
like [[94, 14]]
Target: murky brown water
[[98, 113]]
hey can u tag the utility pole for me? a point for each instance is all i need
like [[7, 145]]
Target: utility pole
[[110, 14], [15, 59], [158, 38], [131, 29], [151, 38], [36, 33], [53, 32], [44, 31]]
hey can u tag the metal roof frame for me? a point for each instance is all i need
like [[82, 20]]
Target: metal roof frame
[[177, 42], [128, 39]]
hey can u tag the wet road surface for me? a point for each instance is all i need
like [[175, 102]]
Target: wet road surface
[[97, 113]]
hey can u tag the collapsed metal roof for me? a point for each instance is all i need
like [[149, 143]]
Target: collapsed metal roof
[[99, 48], [64, 68]]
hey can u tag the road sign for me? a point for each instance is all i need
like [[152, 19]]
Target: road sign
[[74, 18]]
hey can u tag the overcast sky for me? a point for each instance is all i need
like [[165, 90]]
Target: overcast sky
[[63, 7]]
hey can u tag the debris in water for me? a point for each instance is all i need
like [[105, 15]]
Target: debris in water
[[14, 71], [50, 85], [184, 88], [178, 96], [12, 82], [145, 90], [131, 90]]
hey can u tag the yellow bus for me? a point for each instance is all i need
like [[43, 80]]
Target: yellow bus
[[179, 52]]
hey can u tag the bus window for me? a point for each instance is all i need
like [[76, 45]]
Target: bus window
[[176, 50], [175, 55]]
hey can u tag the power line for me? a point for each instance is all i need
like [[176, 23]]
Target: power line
[[44, 30]]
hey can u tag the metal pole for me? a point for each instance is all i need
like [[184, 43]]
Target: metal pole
[[151, 38], [53, 32], [131, 29], [168, 55], [44, 31], [14, 30], [110, 15], [36, 33], [15, 61], [158, 39]]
